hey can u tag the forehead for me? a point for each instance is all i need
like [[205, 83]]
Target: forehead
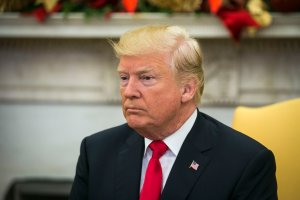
[[144, 63]]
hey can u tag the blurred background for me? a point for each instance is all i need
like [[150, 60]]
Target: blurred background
[[58, 82]]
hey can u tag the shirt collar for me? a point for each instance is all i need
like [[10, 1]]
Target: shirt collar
[[175, 140]]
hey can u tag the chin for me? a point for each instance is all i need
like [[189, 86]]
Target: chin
[[135, 125], [135, 122]]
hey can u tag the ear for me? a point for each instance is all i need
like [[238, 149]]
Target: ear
[[188, 91]]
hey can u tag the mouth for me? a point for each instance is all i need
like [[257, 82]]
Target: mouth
[[133, 109]]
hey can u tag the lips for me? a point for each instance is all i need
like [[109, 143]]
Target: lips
[[133, 109]]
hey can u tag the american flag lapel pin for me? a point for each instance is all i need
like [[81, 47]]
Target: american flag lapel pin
[[194, 165]]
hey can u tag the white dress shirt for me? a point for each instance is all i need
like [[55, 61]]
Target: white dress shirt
[[174, 143]]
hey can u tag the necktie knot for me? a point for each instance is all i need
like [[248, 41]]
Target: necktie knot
[[158, 148]]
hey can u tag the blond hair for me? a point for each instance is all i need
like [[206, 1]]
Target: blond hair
[[185, 52]]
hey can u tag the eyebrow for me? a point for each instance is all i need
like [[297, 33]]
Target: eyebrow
[[140, 71]]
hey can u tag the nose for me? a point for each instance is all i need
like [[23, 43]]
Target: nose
[[131, 90]]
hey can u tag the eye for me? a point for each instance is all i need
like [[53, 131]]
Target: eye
[[123, 79], [147, 79]]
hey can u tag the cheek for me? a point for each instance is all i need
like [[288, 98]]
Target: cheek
[[166, 101], [122, 96], [121, 91]]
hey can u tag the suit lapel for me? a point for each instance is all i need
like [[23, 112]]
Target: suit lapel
[[129, 164], [183, 177]]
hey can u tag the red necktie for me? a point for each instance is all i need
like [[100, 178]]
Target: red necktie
[[153, 179]]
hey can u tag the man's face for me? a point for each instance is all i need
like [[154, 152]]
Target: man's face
[[151, 96]]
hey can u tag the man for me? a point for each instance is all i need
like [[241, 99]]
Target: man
[[168, 149]]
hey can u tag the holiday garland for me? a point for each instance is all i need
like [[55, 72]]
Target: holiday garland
[[236, 15]]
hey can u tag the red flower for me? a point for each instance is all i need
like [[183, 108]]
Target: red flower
[[236, 20], [101, 3], [215, 5], [41, 14], [130, 5]]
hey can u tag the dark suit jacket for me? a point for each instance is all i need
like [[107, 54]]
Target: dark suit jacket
[[231, 166]]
